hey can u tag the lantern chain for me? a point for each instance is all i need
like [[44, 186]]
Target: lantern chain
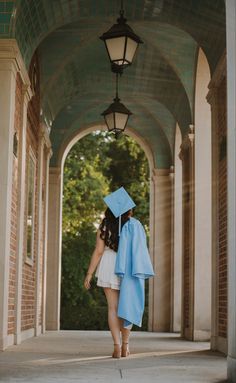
[[117, 86], [121, 8]]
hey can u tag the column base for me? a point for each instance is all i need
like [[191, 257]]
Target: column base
[[38, 330], [6, 342], [201, 335], [52, 326], [17, 338], [219, 344], [26, 334], [231, 369], [161, 328], [196, 335], [187, 333]]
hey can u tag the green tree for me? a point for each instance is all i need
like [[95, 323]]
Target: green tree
[[95, 166], [84, 184], [129, 168]]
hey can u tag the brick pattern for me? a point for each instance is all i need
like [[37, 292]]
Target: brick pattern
[[29, 270], [14, 207], [186, 240], [222, 214], [42, 258], [28, 298]]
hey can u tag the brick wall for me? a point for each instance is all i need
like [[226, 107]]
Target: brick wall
[[186, 240], [29, 268], [222, 213], [29, 271], [42, 258], [14, 207]]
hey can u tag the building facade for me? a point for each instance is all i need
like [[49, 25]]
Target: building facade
[[54, 82]]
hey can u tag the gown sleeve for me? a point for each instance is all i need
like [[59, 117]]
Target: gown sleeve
[[141, 263], [134, 266]]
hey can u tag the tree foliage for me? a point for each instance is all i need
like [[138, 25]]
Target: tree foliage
[[96, 165]]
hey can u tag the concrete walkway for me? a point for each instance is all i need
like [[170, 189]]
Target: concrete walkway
[[84, 356]]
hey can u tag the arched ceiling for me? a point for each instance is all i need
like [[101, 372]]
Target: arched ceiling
[[76, 83]]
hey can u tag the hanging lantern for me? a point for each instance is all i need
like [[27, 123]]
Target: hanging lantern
[[121, 43], [116, 115]]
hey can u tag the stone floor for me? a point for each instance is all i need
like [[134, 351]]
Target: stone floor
[[84, 356]]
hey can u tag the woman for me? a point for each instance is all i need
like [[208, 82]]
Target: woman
[[122, 252], [104, 259]]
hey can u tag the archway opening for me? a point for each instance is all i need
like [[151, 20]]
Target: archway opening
[[96, 165]]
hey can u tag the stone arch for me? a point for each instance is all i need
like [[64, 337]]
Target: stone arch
[[55, 222], [154, 129], [70, 142]]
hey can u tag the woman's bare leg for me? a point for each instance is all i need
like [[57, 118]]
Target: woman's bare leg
[[112, 297], [125, 333]]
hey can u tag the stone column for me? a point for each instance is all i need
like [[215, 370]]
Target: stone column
[[212, 95], [54, 250], [8, 70], [231, 146], [44, 142], [45, 239], [172, 214], [217, 342], [196, 257], [38, 301], [21, 213], [152, 253], [212, 99], [161, 250], [187, 157], [177, 226], [202, 216]]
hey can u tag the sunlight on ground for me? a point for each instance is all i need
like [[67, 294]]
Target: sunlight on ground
[[49, 361]]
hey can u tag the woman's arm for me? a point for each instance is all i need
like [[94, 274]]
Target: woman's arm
[[96, 256]]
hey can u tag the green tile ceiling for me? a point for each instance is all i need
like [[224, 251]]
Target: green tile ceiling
[[76, 83]]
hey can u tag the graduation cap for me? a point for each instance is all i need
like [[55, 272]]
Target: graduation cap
[[119, 202]]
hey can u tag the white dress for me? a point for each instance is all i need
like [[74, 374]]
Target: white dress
[[105, 270]]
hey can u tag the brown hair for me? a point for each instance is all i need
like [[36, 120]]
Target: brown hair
[[110, 228]]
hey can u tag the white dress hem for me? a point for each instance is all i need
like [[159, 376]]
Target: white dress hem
[[105, 274]]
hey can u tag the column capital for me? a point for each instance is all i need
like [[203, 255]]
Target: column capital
[[49, 152], [27, 93], [188, 142], [11, 58], [212, 96], [172, 172], [8, 64], [55, 174], [191, 134], [44, 136], [219, 73], [156, 173], [217, 77]]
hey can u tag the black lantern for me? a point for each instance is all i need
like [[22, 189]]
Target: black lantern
[[121, 43], [116, 115]]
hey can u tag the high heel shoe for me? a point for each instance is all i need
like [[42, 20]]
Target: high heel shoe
[[125, 349], [117, 351]]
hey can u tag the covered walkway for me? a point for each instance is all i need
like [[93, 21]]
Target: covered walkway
[[84, 356], [55, 81]]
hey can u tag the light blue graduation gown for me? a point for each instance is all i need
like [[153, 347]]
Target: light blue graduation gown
[[133, 265]]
